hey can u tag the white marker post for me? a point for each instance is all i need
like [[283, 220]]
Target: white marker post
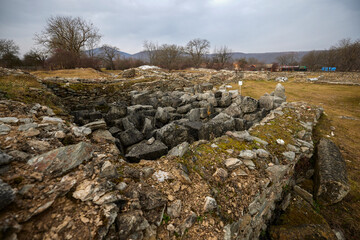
[[240, 84]]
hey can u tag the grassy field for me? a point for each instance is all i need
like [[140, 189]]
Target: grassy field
[[338, 101]]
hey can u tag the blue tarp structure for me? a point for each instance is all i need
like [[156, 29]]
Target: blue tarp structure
[[328, 69]]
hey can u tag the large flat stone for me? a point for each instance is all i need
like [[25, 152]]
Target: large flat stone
[[146, 151], [331, 182], [62, 160]]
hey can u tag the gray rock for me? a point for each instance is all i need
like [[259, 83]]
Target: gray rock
[[145, 151], [289, 155], [221, 173], [279, 91], [101, 124], [5, 158], [216, 128], [188, 223], [232, 163], [62, 160], [137, 108], [266, 102], [131, 222], [331, 182], [4, 129], [147, 128], [117, 110], [7, 194], [52, 120], [130, 137], [249, 105], [262, 153], [234, 111], [206, 86], [108, 170], [19, 155], [250, 164], [247, 154], [179, 150], [173, 134], [162, 115], [277, 172], [210, 204], [239, 124], [184, 109], [174, 209], [194, 115], [9, 120], [81, 131], [225, 100], [304, 194]]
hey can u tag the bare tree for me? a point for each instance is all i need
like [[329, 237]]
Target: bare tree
[[109, 53], [151, 50], [91, 44], [169, 56], [8, 47], [222, 56], [288, 59], [35, 57], [197, 48], [67, 33]]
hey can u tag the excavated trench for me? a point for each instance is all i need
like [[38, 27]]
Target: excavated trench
[[147, 124]]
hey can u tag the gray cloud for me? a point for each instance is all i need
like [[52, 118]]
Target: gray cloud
[[242, 25]]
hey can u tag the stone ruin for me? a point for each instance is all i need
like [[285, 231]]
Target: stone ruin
[[153, 123], [231, 162]]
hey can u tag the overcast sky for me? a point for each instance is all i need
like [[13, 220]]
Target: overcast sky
[[243, 25]]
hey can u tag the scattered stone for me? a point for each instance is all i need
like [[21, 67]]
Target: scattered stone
[[7, 194], [232, 163], [250, 164], [289, 155], [280, 141], [4, 129], [179, 150], [247, 154], [331, 182], [52, 120], [27, 126], [5, 158], [32, 132], [174, 210], [279, 91], [9, 120], [61, 160], [221, 173], [108, 170], [161, 176], [210, 204], [262, 153], [81, 131]]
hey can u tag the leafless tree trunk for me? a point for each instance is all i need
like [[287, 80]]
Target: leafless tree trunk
[[67, 33], [197, 48]]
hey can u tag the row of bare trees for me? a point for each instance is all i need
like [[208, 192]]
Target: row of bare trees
[[345, 56], [195, 53]]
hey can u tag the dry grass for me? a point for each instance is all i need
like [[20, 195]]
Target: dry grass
[[27, 89], [337, 101], [84, 73]]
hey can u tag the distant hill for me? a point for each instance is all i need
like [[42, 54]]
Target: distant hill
[[99, 51], [268, 57]]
